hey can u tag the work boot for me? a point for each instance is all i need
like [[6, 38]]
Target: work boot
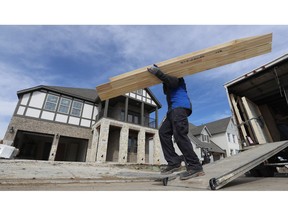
[[191, 173], [171, 168]]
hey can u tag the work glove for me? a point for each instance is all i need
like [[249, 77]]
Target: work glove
[[154, 69]]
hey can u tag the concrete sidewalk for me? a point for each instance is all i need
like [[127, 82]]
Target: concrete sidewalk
[[45, 175], [31, 173], [46, 171]]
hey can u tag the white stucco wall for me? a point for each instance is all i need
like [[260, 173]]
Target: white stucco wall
[[223, 142]]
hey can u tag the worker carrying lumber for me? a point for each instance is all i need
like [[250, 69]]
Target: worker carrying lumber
[[176, 124]]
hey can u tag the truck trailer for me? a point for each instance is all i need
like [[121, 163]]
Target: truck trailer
[[259, 106]]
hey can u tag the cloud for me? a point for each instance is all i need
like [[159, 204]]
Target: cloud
[[12, 80], [86, 56]]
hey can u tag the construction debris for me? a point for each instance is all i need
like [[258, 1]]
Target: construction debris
[[8, 152]]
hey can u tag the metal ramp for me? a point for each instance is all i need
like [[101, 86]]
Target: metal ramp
[[222, 172]]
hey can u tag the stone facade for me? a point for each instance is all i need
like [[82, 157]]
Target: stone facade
[[45, 127], [144, 133]]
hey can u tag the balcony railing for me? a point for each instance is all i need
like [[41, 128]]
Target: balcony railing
[[118, 114]]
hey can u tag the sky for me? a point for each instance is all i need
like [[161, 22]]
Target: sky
[[81, 44], [85, 56]]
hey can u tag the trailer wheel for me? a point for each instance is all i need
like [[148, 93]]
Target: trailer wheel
[[213, 184]]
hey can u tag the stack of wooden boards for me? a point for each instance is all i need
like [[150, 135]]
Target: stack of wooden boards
[[188, 64]]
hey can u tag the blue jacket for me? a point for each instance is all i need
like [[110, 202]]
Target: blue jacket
[[176, 93]]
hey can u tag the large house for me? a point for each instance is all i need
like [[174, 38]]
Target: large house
[[73, 124]]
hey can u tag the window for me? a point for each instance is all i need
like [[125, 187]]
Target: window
[[132, 144], [139, 91], [131, 118], [64, 105], [234, 140], [136, 119], [142, 95], [76, 108], [122, 116], [205, 138], [228, 135], [51, 102]]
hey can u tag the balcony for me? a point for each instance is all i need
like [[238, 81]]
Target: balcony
[[132, 117]]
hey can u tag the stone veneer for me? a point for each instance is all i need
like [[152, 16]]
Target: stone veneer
[[97, 140], [102, 137]]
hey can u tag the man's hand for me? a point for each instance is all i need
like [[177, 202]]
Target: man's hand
[[154, 69]]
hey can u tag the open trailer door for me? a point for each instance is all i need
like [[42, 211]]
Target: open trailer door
[[239, 118], [257, 122]]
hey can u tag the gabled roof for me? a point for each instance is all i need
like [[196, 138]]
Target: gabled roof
[[212, 147], [80, 93], [219, 126], [159, 105]]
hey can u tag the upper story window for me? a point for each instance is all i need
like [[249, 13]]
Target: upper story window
[[229, 137], [131, 118], [142, 95], [76, 108], [51, 102], [139, 91], [205, 138], [234, 138], [64, 105]]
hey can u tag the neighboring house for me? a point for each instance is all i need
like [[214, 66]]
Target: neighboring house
[[73, 124], [205, 148], [222, 133]]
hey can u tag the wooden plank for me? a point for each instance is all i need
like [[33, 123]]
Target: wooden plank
[[148, 80], [252, 137], [146, 76], [238, 116], [253, 113], [198, 66], [107, 91], [188, 64], [223, 49]]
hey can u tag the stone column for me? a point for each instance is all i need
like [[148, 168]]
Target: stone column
[[54, 147], [103, 140], [92, 152], [123, 144], [157, 149], [141, 146]]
